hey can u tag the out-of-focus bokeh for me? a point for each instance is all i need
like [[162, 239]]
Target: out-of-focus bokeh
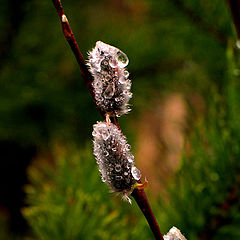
[[183, 127]]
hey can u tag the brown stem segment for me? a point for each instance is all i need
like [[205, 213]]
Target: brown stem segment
[[67, 31], [140, 197], [235, 10], [138, 194]]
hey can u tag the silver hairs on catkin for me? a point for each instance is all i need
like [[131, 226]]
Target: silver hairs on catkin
[[111, 84], [114, 159]]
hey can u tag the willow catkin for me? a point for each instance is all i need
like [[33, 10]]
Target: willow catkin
[[114, 159], [111, 84]]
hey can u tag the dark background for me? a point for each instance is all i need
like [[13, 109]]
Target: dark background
[[183, 60]]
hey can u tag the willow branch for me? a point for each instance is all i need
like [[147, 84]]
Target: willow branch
[[138, 194], [68, 34]]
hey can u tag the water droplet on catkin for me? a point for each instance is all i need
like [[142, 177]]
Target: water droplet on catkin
[[118, 167], [109, 92], [122, 59], [119, 178], [126, 74], [136, 173]]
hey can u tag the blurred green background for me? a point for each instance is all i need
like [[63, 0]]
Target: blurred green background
[[183, 127]]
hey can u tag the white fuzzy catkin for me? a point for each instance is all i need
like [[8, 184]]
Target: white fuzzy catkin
[[111, 84], [114, 159], [174, 234]]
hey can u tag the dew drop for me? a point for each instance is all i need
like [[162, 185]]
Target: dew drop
[[135, 173], [125, 173], [118, 167], [118, 178], [122, 59], [109, 92], [127, 147], [105, 65], [105, 153], [126, 74], [113, 62]]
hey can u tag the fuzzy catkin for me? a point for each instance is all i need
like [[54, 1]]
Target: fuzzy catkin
[[174, 234], [111, 84], [114, 159]]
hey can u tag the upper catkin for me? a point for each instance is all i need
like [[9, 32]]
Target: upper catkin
[[114, 159], [111, 84]]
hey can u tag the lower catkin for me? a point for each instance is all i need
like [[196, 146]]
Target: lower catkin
[[114, 159]]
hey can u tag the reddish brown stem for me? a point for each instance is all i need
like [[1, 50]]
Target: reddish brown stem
[[235, 10], [138, 194], [140, 197], [67, 31]]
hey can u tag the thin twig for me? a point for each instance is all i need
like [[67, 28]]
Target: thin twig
[[138, 194], [235, 10]]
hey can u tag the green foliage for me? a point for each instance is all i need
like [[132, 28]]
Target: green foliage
[[69, 201], [204, 195]]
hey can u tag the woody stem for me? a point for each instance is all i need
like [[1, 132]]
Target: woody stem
[[138, 194]]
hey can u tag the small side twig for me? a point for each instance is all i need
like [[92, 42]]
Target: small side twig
[[138, 194]]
